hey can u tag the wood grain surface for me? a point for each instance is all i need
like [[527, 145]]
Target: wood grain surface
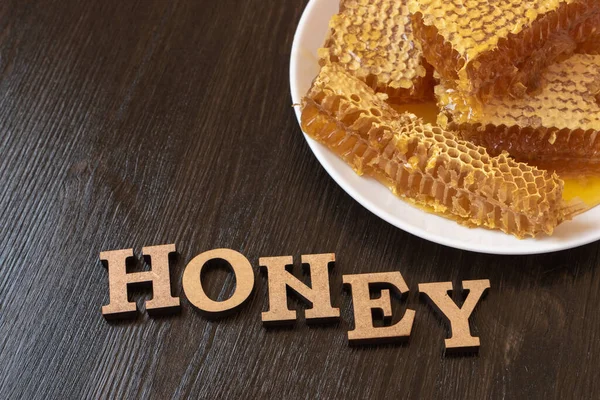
[[135, 123]]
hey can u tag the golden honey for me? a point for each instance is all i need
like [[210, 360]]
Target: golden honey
[[427, 111], [587, 189]]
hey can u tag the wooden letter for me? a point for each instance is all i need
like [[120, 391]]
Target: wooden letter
[[318, 294], [364, 331], [244, 282], [118, 279], [458, 318]]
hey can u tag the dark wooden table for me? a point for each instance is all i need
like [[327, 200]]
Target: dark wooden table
[[134, 123]]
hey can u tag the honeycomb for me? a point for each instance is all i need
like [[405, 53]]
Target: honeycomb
[[427, 165], [558, 127], [373, 40], [494, 48]]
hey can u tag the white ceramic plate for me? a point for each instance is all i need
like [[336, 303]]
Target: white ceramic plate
[[381, 202]]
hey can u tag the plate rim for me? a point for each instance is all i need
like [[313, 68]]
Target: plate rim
[[319, 152]]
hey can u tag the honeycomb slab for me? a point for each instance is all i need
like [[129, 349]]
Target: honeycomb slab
[[427, 165], [373, 40], [556, 128], [493, 48]]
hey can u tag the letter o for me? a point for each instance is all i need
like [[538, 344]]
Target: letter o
[[192, 283]]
